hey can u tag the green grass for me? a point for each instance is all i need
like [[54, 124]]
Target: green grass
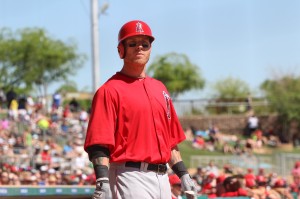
[[187, 150]]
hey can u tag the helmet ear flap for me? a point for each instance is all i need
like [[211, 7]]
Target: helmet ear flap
[[121, 51]]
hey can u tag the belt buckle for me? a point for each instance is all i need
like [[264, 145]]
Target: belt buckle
[[161, 168]]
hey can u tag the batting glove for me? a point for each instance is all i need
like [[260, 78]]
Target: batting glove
[[188, 186], [102, 190]]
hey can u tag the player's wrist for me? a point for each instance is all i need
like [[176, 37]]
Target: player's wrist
[[179, 169]]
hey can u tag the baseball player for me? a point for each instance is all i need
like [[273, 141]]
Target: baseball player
[[133, 130]]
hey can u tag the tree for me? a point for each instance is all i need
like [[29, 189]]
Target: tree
[[283, 94], [30, 58], [69, 86], [177, 73], [230, 90]]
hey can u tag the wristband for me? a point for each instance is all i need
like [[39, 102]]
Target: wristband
[[179, 169], [101, 171]]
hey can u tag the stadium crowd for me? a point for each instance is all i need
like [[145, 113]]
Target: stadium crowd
[[234, 182], [43, 149], [47, 149]]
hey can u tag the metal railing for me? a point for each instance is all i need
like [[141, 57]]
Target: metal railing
[[281, 164], [206, 106]]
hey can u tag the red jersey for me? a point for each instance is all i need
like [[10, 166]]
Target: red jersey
[[135, 117]]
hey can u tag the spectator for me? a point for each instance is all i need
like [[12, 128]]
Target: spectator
[[13, 110], [264, 191], [227, 169], [2, 98], [10, 95], [83, 116], [209, 185], [198, 176], [249, 103], [44, 175], [238, 147], [74, 105], [5, 180], [67, 112], [220, 189], [296, 173], [250, 174], [45, 155], [67, 148], [56, 100], [175, 183], [22, 106], [30, 104], [213, 134], [19, 145], [52, 180], [4, 124], [233, 187], [212, 168], [252, 125], [281, 187], [199, 142]]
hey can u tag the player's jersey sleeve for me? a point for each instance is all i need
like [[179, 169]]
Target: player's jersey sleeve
[[102, 121], [177, 133]]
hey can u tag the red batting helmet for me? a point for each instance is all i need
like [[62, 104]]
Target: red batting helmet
[[134, 28]]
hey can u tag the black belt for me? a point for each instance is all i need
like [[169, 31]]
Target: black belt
[[159, 168]]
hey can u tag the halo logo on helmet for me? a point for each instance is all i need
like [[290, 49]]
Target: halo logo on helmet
[[139, 27]]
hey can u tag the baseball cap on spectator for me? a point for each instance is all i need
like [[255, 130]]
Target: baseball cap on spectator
[[35, 136], [250, 182], [221, 178], [91, 178], [33, 178], [211, 175], [249, 169], [279, 183], [261, 170], [14, 169], [46, 148], [174, 179], [261, 180], [297, 164], [44, 168]]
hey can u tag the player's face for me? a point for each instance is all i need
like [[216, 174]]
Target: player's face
[[138, 49]]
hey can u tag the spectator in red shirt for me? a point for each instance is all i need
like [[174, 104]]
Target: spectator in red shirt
[[250, 176], [219, 185], [45, 155], [209, 186], [233, 187], [175, 183]]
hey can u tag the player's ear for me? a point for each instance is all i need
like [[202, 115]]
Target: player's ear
[[121, 51]]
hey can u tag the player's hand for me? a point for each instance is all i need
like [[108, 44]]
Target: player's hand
[[102, 190], [188, 186]]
